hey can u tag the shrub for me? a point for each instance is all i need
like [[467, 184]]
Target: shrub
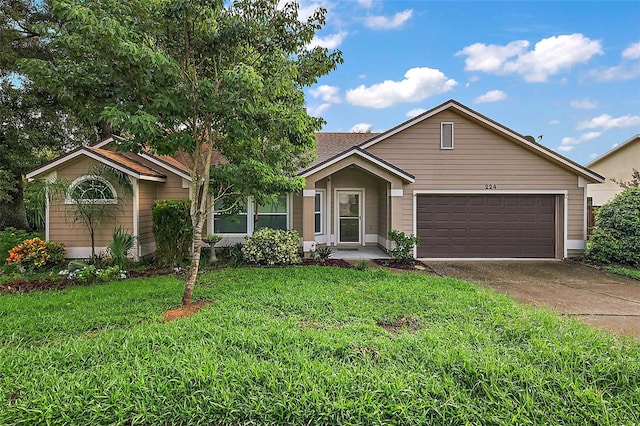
[[36, 254], [233, 254], [404, 244], [272, 247], [616, 237], [322, 254], [119, 247], [11, 237], [172, 230]]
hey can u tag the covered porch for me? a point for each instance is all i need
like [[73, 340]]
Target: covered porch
[[350, 203]]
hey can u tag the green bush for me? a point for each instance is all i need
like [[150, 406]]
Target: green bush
[[11, 237], [272, 247], [172, 230], [404, 244], [616, 237]]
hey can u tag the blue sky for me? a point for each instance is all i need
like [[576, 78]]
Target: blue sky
[[566, 70]]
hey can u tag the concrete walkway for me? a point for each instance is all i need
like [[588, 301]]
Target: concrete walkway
[[598, 298], [358, 253]]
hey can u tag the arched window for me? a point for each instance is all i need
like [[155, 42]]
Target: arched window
[[91, 190]]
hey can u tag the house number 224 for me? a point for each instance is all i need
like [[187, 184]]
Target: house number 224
[[490, 186]]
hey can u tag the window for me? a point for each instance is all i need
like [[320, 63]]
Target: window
[[274, 214], [91, 190], [229, 224], [270, 215], [446, 135], [318, 212]]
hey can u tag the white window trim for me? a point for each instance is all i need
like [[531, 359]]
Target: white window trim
[[79, 180], [322, 194], [442, 124], [250, 211]]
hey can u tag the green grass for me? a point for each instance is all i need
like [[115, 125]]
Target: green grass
[[626, 272], [306, 346]]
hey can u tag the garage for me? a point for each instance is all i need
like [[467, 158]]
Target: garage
[[486, 226]]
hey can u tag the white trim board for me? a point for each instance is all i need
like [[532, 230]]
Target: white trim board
[[362, 154]]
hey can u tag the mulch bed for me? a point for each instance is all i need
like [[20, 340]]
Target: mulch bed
[[411, 266], [185, 310], [20, 285]]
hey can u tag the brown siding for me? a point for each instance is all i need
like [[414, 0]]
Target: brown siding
[[147, 195], [480, 156], [296, 207], [75, 234]]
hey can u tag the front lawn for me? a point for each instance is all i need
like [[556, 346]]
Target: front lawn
[[306, 345]]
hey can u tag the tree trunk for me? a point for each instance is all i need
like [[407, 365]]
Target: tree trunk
[[198, 215], [195, 265], [12, 212]]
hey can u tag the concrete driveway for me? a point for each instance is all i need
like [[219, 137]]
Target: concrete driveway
[[598, 298]]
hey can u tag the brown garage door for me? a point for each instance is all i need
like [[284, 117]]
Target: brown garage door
[[492, 226]]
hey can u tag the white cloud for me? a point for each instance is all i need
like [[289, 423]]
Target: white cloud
[[365, 3], [385, 23], [490, 58], [567, 144], [491, 96], [548, 57], [419, 84], [554, 122], [617, 73], [327, 93], [317, 111], [632, 52], [605, 121], [361, 128], [415, 112], [330, 42], [583, 104]]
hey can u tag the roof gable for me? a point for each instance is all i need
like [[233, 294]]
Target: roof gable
[[517, 138], [359, 152], [113, 159]]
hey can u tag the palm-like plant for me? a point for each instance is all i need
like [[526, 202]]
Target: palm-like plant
[[120, 245]]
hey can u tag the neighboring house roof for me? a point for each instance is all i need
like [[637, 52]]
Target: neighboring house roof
[[407, 177], [113, 159], [494, 125], [615, 149]]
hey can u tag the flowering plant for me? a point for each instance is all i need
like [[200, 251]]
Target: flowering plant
[[33, 254]]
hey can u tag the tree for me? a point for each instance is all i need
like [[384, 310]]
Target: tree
[[616, 237], [635, 180], [195, 78], [34, 125]]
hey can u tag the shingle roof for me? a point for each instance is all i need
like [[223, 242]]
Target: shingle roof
[[127, 162], [329, 145]]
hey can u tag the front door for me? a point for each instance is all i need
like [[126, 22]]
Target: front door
[[349, 216]]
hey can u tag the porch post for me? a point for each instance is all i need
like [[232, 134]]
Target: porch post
[[396, 194], [308, 219]]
